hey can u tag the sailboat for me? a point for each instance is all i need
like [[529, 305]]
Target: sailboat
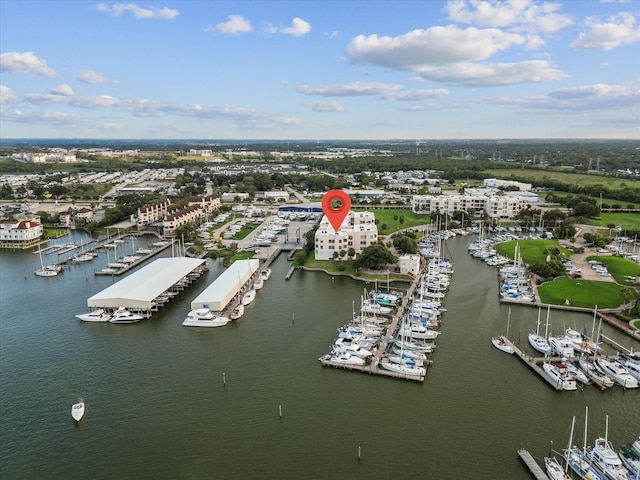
[[405, 366], [502, 342], [605, 459], [539, 342], [575, 457], [47, 270]]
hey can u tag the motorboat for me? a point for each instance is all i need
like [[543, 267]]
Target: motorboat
[[346, 358], [606, 461], [581, 342], [418, 332], [501, 344], [98, 315], [632, 364], [248, 297], [122, 315], [562, 346], [595, 373], [77, 411], [560, 375], [353, 349], [265, 274], [237, 312], [554, 469], [360, 341], [203, 317], [631, 460], [404, 369], [617, 372]]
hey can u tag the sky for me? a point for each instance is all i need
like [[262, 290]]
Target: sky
[[320, 70]]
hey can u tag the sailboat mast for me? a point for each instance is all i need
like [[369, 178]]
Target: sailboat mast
[[573, 424], [546, 326], [586, 422]]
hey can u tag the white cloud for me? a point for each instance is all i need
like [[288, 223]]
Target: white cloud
[[140, 13], [235, 25], [596, 97], [7, 96], [517, 15], [298, 28], [328, 106], [409, 96], [25, 62], [489, 75], [619, 30], [91, 77], [354, 89], [64, 90], [434, 46]]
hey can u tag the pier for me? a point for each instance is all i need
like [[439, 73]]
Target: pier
[[531, 363], [533, 467]]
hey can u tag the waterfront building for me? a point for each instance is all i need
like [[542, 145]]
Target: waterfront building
[[495, 206], [358, 231], [20, 233], [409, 264]]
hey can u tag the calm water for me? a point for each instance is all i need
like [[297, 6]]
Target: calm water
[[157, 407]]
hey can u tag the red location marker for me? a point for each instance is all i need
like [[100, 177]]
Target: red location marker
[[336, 205]]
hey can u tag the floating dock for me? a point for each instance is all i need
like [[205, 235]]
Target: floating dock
[[533, 467]]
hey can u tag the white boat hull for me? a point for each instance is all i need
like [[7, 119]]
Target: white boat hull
[[77, 411]]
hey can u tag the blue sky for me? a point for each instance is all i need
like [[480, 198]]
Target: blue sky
[[322, 70]]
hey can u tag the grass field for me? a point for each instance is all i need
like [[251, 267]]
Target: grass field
[[626, 221], [582, 293], [618, 267], [607, 201], [569, 178], [385, 217], [531, 251]]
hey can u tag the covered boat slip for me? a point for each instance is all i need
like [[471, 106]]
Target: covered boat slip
[[144, 290], [218, 295]]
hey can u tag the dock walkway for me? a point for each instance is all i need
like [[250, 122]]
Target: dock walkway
[[532, 465]]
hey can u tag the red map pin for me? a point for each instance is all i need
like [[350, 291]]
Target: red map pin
[[336, 205]]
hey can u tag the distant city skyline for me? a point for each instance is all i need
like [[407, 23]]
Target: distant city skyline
[[320, 70]]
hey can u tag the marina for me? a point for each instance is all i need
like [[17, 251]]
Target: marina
[[474, 398]]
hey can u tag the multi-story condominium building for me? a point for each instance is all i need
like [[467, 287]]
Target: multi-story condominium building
[[20, 233], [153, 213], [495, 206], [358, 231], [174, 220], [208, 203]]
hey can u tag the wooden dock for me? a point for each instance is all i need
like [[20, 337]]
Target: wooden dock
[[533, 467], [531, 363]]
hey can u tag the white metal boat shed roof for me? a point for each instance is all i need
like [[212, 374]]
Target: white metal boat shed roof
[[218, 295], [139, 289]]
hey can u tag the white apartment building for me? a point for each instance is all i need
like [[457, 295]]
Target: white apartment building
[[358, 231], [496, 206], [20, 233]]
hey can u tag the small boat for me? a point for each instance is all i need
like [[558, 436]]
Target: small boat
[[237, 312], [346, 359], [258, 284], [77, 411], [249, 297], [203, 317], [501, 344], [47, 271], [122, 315], [99, 315], [404, 369], [265, 274], [554, 469], [581, 342], [632, 364], [578, 374], [143, 251], [560, 375], [83, 257], [596, 374], [537, 341]]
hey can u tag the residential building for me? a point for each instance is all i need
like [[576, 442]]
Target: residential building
[[495, 206], [358, 231], [24, 233]]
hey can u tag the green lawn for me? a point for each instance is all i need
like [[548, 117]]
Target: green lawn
[[618, 267], [607, 201], [530, 250], [582, 293], [385, 217], [626, 221], [570, 178], [334, 268], [246, 230]]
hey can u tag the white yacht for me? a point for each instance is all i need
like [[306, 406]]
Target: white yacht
[[632, 364], [604, 458], [540, 343], [83, 257], [404, 369], [501, 344], [353, 349], [596, 374], [237, 312], [562, 346], [203, 317], [258, 284], [554, 469], [99, 315], [346, 359], [77, 411], [631, 460], [560, 375], [402, 359], [370, 306], [617, 372], [581, 342], [265, 274], [249, 297], [417, 332], [579, 375], [122, 315]]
